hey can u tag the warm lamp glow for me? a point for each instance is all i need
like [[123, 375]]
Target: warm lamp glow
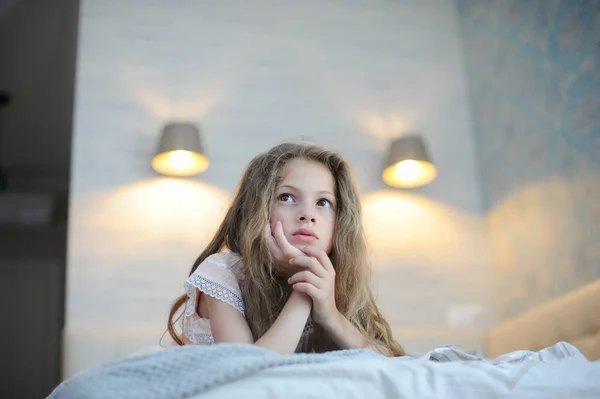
[[180, 163], [409, 173], [408, 164], [180, 151], [164, 215], [406, 230]]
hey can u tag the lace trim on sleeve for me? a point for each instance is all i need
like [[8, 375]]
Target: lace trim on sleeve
[[195, 336], [213, 289]]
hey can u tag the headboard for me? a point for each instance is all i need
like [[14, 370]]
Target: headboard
[[574, 318]]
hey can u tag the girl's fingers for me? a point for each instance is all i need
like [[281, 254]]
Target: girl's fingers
[[306, 288], [306, 277], [309, 263], [278, 234], [288, 249], [271, 244], [320, 255], [268, 229]]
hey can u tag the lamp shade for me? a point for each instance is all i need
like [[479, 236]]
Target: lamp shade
[[180, 151], [408, 164]]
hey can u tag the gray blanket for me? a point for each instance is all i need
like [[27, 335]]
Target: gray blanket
[[184, 372]]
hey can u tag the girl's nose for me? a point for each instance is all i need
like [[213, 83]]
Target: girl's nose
[[304, 216]]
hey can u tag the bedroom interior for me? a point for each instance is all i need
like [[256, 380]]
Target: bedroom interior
[[497, 251]]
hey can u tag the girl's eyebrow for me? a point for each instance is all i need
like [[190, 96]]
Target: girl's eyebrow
[[287, 186], [294, 188], [326, 192]]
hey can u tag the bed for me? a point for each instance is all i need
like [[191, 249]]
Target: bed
[[544, 353]]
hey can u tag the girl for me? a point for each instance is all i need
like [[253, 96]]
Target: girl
[[287, 268]]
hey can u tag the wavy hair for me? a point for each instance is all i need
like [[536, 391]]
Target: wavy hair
[[264, 294]]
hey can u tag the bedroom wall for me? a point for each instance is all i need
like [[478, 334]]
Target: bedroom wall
[[533, 72], [348, 75]]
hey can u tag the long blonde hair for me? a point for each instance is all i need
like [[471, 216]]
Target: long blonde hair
[[263, 293]]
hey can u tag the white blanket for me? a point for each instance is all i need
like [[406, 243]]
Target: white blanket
[[245, 371]]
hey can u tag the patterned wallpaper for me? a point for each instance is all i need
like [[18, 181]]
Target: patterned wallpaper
[[533, 71]]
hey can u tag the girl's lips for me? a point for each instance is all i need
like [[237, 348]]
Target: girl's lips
[[304, 238], [304, 232]]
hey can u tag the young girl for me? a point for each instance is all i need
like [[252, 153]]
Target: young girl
[[287, 268]]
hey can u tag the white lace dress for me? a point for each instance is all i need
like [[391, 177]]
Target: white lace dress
[[217, 276]]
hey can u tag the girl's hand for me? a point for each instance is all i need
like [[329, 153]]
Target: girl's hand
[[318, 282], [282, 250]]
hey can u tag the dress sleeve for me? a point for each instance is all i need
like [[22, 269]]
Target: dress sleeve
[[216, 278]]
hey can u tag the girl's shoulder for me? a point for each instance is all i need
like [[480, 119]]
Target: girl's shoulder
[[223, 259], [227, 260]]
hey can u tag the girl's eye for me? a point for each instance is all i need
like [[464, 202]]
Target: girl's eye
[[286, 197], [324, 203]]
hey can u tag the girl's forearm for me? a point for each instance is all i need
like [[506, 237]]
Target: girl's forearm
[[285, 333], [343, 333]]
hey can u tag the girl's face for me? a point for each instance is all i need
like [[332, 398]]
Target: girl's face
[[305, 204]]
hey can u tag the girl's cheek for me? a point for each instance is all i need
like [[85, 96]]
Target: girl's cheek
[[328, 213]]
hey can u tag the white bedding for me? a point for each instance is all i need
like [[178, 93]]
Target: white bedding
[[556, 372], [246, 371]]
